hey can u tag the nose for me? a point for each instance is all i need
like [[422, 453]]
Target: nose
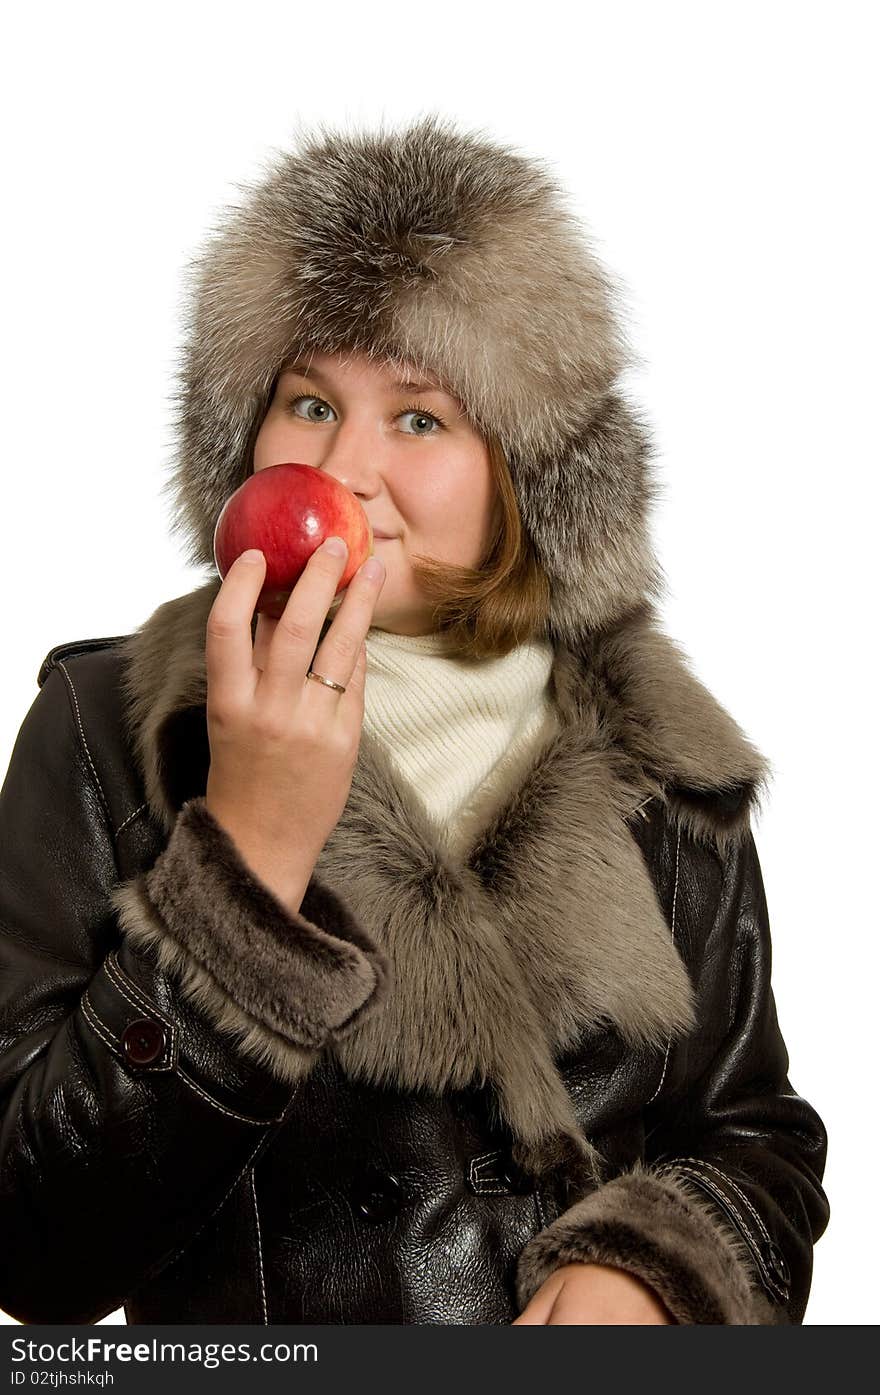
[[350, 456]]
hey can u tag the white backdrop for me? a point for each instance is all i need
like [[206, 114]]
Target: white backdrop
[[723, 158]]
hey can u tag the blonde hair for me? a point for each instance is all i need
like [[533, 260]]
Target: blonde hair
[[486, 612]]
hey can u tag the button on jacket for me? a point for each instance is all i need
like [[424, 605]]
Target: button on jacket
[[439, 1081]]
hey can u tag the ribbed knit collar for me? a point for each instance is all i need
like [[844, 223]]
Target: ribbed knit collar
[[458, 730]]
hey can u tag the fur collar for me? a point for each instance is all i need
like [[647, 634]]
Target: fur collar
[[548, 926]]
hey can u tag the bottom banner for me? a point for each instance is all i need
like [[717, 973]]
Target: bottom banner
[[255, 1359]]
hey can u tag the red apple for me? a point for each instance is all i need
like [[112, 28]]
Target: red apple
[[287, 511]]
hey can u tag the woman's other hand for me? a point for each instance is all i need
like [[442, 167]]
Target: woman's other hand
[[594, 1295]]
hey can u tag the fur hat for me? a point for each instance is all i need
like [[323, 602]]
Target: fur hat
[[456, 255]]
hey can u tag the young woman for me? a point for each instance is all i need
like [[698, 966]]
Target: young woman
[[405, 959]]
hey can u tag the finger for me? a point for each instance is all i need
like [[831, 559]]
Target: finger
[[228, 641], [297, 632], [357, 682], [339, 652], [567, 1311], [537, 1311], [355, 687], [530, 1316], [265, 629], [290, 658]]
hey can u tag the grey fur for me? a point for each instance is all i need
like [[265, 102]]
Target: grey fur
[[653, 1225]]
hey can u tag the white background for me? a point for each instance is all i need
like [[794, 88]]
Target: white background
[[723, 158]]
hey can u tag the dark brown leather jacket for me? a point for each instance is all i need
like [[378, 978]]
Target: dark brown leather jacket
[[154, 1157]]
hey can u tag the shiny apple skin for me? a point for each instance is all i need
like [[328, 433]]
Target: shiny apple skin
[[287, 511]]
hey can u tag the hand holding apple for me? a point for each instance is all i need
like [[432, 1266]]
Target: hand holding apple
[[283, 749], [287, 511]]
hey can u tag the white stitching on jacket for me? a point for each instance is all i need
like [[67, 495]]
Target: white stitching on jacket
[[101, 1029], [90, 1013], [85, 744], [701, 1162], [222, 1108], [539, 1205], [131, 816], [119, 977], [674, 901], [478, 1163], [696, 1175], [219, 1207], [96, 1024], [117, 974], [260, 1251]]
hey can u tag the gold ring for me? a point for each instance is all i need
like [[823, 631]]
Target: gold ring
[[328, 682]]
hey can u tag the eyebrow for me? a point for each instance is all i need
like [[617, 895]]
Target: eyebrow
[[322, 378]]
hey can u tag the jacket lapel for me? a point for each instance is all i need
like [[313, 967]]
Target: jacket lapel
[[548, 925]]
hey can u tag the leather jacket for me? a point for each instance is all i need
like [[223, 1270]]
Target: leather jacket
[[152, 1160]]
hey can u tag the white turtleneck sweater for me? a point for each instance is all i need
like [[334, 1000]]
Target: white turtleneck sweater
[[460, 732]]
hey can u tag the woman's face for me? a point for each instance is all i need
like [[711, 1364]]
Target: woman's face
[[426, 484]]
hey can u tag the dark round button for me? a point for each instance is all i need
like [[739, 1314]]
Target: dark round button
[[377, 1195], [143, 1041]]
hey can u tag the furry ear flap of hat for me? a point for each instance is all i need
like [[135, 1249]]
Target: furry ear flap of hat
[[449, 252]]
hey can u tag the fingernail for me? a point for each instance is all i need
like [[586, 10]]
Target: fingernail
[[373, 568], [335, 546], [253, 554]]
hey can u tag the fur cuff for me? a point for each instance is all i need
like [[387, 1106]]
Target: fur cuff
[[657, 1228], [281, 984]]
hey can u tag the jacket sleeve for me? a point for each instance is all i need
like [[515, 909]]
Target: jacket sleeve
[[151, 1034], [721, 1216]]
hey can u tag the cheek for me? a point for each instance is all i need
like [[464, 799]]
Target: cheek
[[263, 445], [437, 503], [270, 438], [461, 509]]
